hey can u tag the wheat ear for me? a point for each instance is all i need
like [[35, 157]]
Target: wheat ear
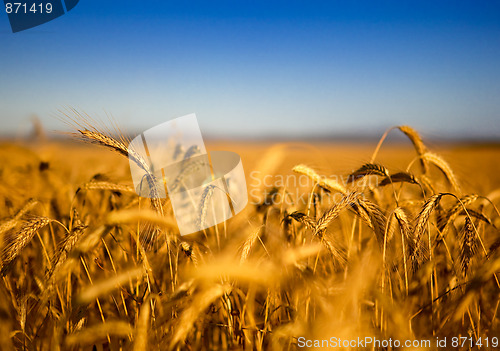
[[414, 138], [334, 212], [119, 146], [416, 250], [307, 221], [418, 144], [444, 167], [204, 202], [374, 218], [19, 240], [325, 183], [468, 244], [367, 169], [247, 246], [445, 221]]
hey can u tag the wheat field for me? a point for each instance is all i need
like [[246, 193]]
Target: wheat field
[[396, 240]]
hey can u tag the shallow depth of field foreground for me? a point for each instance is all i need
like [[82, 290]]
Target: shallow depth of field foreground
[[393, 241]]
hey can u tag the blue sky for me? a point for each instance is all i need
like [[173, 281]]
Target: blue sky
[[249, 68]]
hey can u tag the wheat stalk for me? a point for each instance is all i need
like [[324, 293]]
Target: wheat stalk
[[204, 203], [374, 218], [247, 246], [460, 205], [404, 224], [367, 169], [201, 301], [399, 177], [307, 221], [108, 186], [66, 245], [476, 214], [109, 284], [192, 251], [99, 332], [443, 166], [19, 240], [337, 254], [414, 137], [416, 250], [141, 329], [325, 183], [468, 244], [132, 216], [334, 211], [417, 143], [11, 223], [119, 146]]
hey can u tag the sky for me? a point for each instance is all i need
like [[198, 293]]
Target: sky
[[251, 69]]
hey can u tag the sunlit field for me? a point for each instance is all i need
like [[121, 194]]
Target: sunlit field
[[396, 241]]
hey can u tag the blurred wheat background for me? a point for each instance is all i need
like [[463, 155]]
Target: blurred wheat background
[[395, 240]]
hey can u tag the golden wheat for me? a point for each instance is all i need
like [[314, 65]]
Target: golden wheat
[[398, 261]]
